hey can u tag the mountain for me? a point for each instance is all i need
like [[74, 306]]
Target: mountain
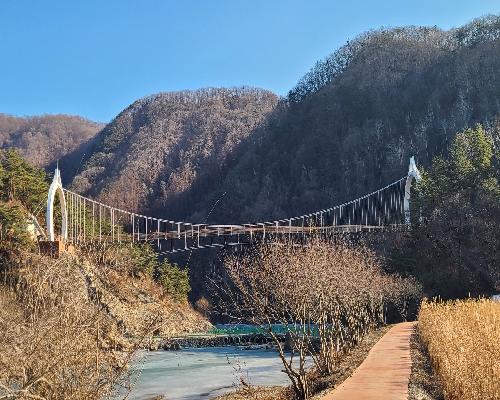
[[165, 145], [349, 126], [42, 140]]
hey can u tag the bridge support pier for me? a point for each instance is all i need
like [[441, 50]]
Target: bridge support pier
[[54, 248]]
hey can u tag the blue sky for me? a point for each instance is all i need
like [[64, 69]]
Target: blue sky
[[94, 57]]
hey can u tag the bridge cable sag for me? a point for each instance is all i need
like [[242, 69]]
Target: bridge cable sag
[[384, 207]]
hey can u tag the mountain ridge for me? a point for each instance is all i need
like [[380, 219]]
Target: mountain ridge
[[160, 144], [43, 139], [348, 127]]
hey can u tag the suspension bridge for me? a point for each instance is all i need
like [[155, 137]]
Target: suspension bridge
[[86, 220]]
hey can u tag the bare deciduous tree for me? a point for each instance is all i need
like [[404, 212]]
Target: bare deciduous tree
[[319, 300]]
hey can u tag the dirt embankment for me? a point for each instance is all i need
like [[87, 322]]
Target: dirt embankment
[[135, 302]]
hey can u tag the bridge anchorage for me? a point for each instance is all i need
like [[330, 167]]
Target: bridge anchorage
[[85, 221]]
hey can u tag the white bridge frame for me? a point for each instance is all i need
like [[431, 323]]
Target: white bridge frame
[[413, 175], [153, 227], [56, 187]]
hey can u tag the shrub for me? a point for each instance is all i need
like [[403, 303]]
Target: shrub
[[174, 280], [144, 259], [325, 297], [203, 306], [13, 226], [20, 181]]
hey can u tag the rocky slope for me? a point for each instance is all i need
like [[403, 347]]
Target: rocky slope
[[134, 302]]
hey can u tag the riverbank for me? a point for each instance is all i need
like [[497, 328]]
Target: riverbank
[[251, 341], [83, 315], [321, 385]]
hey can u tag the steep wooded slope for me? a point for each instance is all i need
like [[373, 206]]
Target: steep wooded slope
[[42, 140], [348, 127], [165, 145], [351, 124]]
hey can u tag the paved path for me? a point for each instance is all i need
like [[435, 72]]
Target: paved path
[[385, 372]]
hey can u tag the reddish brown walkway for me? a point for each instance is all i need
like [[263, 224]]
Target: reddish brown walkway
[[385, 372]]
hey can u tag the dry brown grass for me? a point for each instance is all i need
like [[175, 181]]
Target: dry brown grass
[[55, 342], [259, 393], [463, 339], [69, 327]]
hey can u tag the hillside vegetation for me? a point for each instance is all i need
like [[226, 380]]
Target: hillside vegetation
[[352, 123], [43, 140], [164, 146]]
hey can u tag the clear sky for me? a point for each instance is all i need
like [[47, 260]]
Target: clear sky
[[95, 57]]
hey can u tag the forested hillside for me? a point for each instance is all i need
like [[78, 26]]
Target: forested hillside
[[42, 140], [349, 126], [165, 145]]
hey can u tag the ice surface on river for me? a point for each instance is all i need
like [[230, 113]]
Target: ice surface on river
[[204, 373]]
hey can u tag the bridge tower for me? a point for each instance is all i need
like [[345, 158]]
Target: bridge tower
[[55, 244], [413, 174]]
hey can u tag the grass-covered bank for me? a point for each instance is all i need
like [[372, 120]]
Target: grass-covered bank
[[424, 382], [69, 327], [463, 341]]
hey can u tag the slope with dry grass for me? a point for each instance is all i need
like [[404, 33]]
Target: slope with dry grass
[[463, 339], [69, 327]]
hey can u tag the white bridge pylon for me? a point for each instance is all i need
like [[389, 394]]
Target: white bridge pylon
[[413, 174], [56, 188], [86, 220]]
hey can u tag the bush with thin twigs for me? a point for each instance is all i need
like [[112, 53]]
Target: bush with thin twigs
[[326, 297], [463, 339]]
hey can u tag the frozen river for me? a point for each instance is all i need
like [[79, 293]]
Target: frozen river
[[203, 373]]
